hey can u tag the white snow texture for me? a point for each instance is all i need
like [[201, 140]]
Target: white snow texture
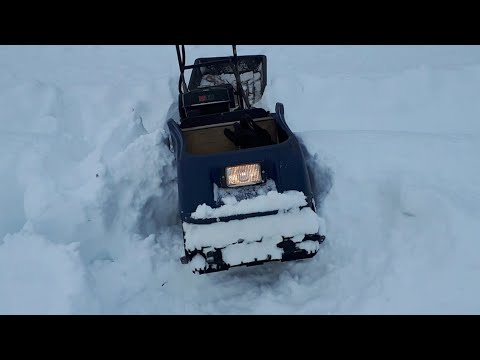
[[291, 223], [272, 200], [88, 215]]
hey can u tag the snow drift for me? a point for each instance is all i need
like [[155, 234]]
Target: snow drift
[[88, 222]]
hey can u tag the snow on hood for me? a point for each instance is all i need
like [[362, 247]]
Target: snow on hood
[[271, 201], [295, 222]]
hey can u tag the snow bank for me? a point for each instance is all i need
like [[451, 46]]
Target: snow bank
[[138, 182], [401, 223], [402, 214], [39, 277]]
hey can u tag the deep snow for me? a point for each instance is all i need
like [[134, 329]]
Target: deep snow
[[88, 222]]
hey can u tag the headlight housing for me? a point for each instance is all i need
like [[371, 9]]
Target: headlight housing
[[242, 175]]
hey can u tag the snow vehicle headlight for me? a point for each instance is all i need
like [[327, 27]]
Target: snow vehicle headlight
[[241, 175]]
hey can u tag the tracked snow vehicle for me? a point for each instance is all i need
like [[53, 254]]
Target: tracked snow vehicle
[[245, 196]]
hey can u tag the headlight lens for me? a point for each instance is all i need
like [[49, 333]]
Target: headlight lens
[[242, 175]]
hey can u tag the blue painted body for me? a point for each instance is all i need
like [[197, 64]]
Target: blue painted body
[[284, 163]]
